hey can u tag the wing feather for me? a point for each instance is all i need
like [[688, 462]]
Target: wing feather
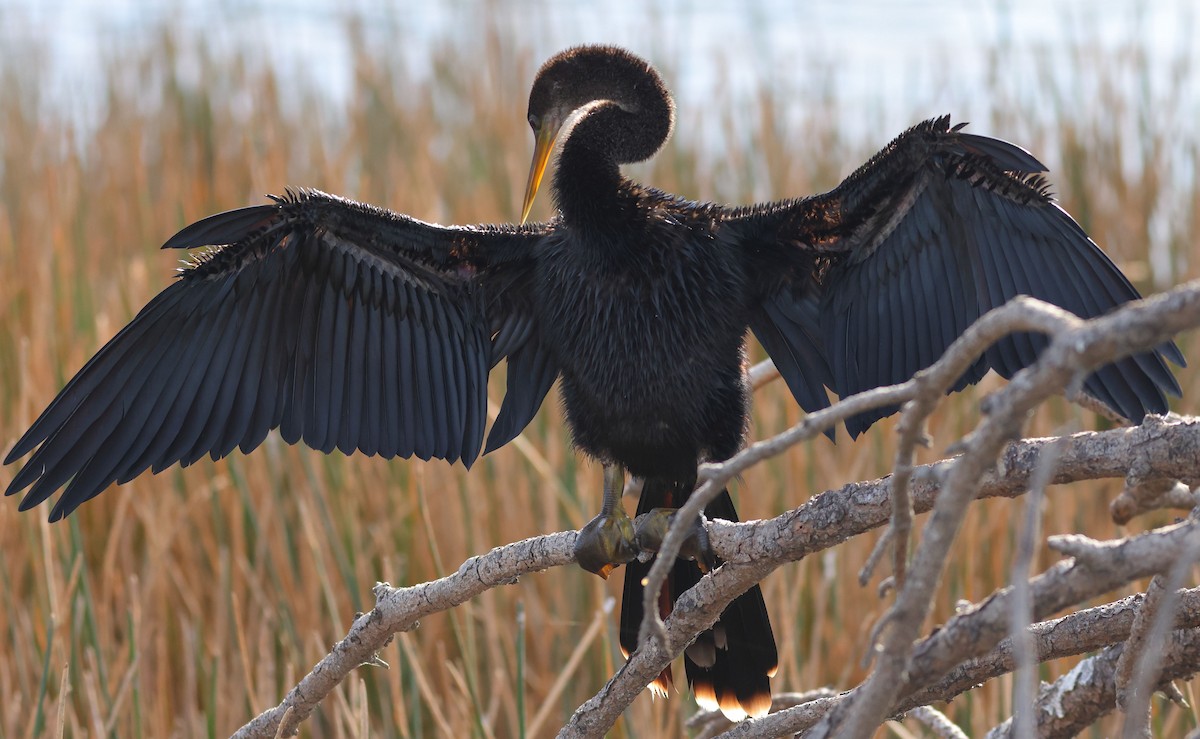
[[390, 441], [531, 373], [792, 337], [321, 374], [164, 424], [356, 358], [373, 378], [406, 389]]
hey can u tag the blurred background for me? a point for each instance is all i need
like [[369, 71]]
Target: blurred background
[[183, 604]]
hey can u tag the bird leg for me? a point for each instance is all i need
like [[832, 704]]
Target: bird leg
[[607, 541], [651, 528]]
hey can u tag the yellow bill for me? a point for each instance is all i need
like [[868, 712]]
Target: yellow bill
[[541, 155]]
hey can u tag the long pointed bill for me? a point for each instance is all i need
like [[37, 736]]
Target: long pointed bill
[[541, 155]]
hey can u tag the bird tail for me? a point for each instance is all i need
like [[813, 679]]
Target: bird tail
[[728, 667]]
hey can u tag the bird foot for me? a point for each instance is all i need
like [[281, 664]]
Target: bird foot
[[605, 543], [651, 528]]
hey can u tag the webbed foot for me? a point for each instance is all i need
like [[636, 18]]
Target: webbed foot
[[651, 528], [607, 541]]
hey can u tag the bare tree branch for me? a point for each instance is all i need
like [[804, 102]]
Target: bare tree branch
[[1167, 449], [716, 476], [1146, 643], [711, 723], [1021, 314], [1144, 492], [762, 373], [398, 610], [975, 629], [1088, 692], [1078, 347], [1083, 631], [1123, 676]]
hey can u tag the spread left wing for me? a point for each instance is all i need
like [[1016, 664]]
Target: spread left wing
[[934, 231]]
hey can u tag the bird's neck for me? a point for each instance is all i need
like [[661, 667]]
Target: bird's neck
[[588, 185]]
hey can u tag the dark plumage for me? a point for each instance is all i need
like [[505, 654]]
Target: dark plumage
[[355, 328]]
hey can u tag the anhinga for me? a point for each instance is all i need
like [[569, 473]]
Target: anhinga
[[351, 327]]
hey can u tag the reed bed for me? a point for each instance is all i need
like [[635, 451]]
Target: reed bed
[[183, 604]]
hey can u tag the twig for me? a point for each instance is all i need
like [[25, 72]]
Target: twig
[[1146, 492], [881, 547], [1025, 685], [937, 722], [762, 373], [716, 476]]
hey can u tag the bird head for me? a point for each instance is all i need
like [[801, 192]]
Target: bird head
[[578, 80]]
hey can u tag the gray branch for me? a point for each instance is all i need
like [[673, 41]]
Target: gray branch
[[1147, 641], [1083, 631], [1088, 692], [1077, 348], [1168, 447], [1165, 449], [958, 655], [398, 609]]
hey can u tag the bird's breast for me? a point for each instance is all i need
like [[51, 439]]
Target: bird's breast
[[643, 341]]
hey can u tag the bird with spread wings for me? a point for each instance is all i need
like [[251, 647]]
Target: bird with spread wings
[[349, 327]]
